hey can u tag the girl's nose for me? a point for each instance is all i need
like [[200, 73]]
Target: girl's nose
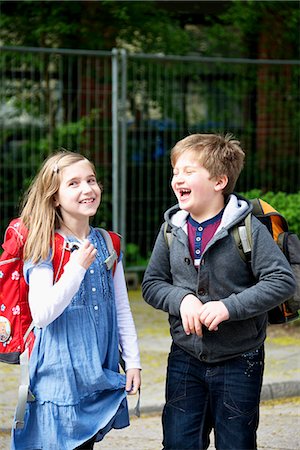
[[86, 187]]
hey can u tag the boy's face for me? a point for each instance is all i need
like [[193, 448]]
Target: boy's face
[[196, 191]]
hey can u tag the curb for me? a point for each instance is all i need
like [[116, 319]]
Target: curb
[[281, 389], [284, 389]]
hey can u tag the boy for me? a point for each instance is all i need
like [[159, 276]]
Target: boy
[[217, 305]]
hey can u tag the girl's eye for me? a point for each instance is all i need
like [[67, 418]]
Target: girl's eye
[[92, 180]]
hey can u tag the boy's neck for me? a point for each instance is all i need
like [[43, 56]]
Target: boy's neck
[[209, 212]]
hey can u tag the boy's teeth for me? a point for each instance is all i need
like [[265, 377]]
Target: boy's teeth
[[184, 192]]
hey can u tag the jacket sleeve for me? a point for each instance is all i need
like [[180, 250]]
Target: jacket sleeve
[[157, 286], [274, 283]]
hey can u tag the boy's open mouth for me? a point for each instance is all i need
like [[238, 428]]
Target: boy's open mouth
[[184, 193]]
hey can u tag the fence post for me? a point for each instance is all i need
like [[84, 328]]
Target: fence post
[[115, 142], [123, 147]]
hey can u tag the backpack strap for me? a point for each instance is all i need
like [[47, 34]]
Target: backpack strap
[[168, 234], [242, 235], [24, 393], [113, 244]]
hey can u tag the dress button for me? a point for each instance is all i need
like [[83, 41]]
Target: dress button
[[96, 308], [92, 271], [93, 289]]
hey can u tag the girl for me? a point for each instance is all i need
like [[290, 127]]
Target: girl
[[79, 321]]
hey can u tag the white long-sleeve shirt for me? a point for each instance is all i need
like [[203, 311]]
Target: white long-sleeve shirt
[[56, 297]]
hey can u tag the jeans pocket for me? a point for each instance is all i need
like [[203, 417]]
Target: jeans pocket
[[178, 365], [243, 381]]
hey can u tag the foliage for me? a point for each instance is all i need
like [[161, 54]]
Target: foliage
[[246, 29], [133, 256], [154, 27], [95, 25], [286, 204]]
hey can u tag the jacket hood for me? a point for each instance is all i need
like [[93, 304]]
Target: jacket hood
[[236, 209]]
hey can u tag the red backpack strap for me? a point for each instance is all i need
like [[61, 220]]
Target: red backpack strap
[[116, 240], [62, 253], [113, 244], [61, 256]]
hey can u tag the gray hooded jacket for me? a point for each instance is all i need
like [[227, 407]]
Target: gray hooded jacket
[[222, 275]]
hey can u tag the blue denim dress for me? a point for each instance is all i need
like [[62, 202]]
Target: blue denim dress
[[74, 375]]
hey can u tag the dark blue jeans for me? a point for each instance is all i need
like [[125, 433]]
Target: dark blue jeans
[[201, 397]]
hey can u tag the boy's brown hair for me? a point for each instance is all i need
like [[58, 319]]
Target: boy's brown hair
[[219, 155]]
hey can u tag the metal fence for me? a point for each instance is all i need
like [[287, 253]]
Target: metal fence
[[126, 111]]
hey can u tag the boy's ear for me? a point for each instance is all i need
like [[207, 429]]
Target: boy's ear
[[221, 182]]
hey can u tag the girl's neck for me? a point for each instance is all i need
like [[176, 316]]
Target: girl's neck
[[77, 230]]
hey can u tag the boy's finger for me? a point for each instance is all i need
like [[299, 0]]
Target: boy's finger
[[185, 325], [191, 324], [198, 327]]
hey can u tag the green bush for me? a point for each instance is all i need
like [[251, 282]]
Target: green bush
[[286, 204]]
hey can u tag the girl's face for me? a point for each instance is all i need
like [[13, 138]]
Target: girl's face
[[79, 194], [196, 191]]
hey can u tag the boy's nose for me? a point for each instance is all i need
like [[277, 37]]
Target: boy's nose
[[180, 178]]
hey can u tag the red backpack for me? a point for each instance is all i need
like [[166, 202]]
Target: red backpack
[[15, 318]]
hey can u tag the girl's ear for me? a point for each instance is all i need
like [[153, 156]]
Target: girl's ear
[[221, 182], [55, 201]]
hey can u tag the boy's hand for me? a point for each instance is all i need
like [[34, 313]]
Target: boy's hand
[[133, 381], [213, 313], [190, 309]]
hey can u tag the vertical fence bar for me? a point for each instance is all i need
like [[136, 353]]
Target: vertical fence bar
[[123, 147], [115, 142]]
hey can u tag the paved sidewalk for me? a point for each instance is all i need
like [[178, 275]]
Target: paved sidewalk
[[274, 432], [279, 428]]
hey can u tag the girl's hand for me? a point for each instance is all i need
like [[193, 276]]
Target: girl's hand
[[85, 255], [133, 381]]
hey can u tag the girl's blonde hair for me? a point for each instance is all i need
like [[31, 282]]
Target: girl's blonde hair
[[39, 214], [219, 155]]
